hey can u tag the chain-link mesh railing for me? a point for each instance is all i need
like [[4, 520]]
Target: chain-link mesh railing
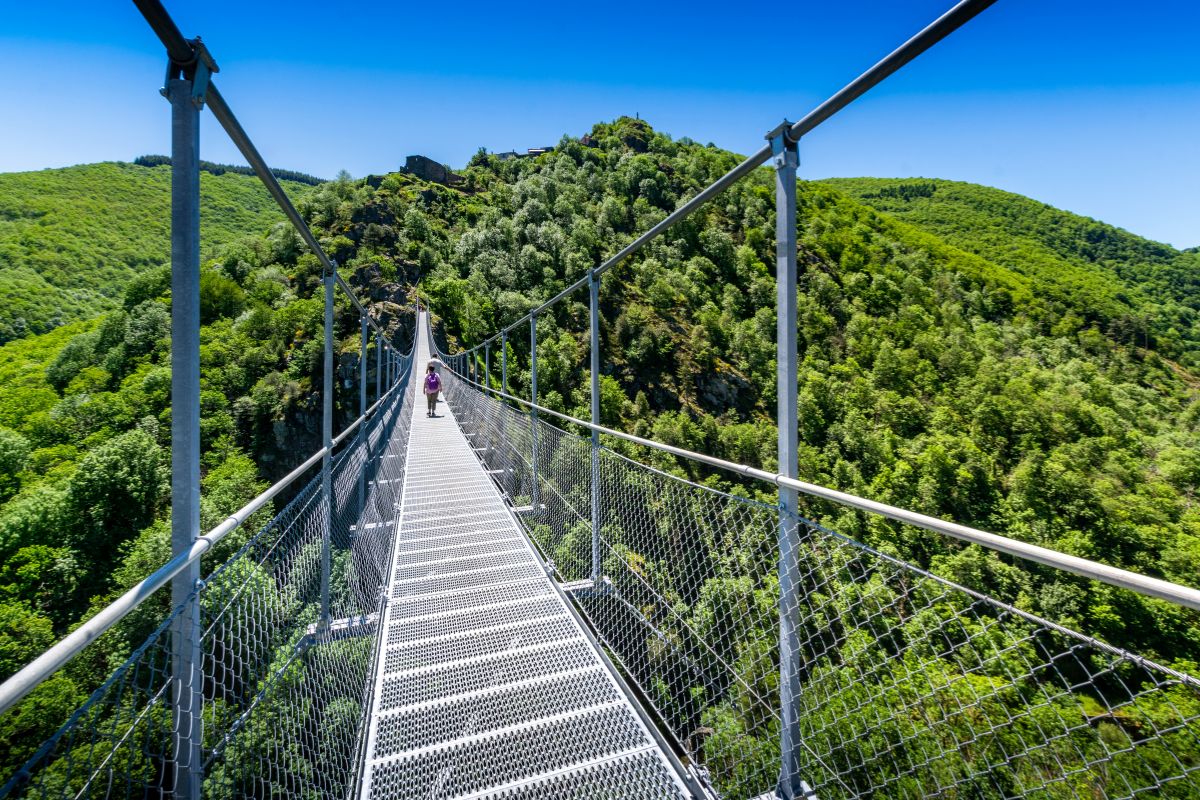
[[283, 697], [910, 685], [914, 686]]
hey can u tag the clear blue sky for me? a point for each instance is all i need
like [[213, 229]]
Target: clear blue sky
[[1090, 106]]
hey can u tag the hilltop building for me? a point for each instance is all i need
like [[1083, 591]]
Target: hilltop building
[[430, 170]]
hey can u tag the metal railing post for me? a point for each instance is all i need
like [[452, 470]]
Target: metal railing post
[[533, 420], [186, 655], [504, 362], [487, 365], [785, 154], [594, 319], [362, 411], [378, 365], [327, 443]]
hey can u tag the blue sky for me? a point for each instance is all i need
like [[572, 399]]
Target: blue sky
[[1090, 106]]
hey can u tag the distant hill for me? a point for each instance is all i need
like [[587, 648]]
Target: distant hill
[[1141, 292], [72, 238], [221, 169]]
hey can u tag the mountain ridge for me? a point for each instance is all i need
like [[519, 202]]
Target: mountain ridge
[[72, 237]]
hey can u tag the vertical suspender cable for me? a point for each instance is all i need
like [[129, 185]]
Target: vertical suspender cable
[[362, 410], [533, 420], [327, 443], [594, 322], [504, 362]]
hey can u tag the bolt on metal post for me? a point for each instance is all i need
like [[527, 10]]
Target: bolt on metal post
[[327, 458], [186, 655], [594, 321], [785, 159]]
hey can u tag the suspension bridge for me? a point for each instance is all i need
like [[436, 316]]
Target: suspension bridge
[[489, 680], [504, 601]]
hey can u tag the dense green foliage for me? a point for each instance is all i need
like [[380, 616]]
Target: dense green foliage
[[993, 361], [71, 239], [85, 432], [1011, 383], [932, 378], [1138, 292]]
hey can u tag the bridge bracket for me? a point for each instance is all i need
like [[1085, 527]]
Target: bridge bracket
[[199, 70], [338, 629], [588, 587]]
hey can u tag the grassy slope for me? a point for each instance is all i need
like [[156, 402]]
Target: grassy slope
[[1143, 292], [70, 239]]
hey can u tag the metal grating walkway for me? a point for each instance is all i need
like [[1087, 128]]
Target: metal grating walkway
[[488, 685]]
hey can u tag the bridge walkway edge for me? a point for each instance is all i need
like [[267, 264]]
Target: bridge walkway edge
[[487, 683]]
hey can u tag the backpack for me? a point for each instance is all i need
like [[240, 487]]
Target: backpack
[[432, 383]]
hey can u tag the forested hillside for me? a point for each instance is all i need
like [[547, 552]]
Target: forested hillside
[[993, 361], [950, 375], [71, 239], [1139, 292], [85, 437]]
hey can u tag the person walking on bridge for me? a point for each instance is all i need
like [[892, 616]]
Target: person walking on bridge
[[433, 385]]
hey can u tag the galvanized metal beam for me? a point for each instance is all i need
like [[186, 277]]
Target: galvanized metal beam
[[785, 160], [186, 654]]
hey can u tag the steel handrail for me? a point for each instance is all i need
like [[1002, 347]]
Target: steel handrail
[[1113, 576], [53, 659], [181, 51], [930, 35], [45, 665]]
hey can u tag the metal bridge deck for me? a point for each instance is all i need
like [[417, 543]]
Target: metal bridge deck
[[487, 685]]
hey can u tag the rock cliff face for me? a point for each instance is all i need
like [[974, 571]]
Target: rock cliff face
[[391, 301]]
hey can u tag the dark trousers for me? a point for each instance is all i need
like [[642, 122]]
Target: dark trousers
[[432, 400]]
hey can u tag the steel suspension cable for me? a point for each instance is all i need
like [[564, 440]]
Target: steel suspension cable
[[183, 53], [933, 33], [1154, 587]]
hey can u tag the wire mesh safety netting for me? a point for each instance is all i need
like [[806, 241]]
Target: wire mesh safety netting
[[909, 685], [282, 698]]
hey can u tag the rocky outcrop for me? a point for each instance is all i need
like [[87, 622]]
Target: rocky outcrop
[[430, 170]]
